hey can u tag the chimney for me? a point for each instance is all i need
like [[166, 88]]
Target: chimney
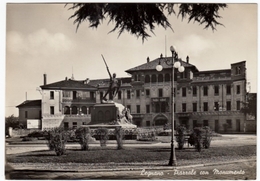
[[66, 78], [148, 59], [187, 59], [44, 79]]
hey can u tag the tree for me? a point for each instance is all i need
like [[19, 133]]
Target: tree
[[250, 107], [136, 18], [11, 121]]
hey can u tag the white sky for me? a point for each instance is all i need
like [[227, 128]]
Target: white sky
[[41, 39]]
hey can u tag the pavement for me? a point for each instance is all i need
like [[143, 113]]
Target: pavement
[[220, 169]]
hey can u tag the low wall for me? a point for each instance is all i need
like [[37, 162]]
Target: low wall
[[20, 132]]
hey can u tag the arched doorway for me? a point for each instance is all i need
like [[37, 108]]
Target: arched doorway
[[160, 120]]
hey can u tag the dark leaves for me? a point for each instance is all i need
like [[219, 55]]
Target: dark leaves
[[139, 18]]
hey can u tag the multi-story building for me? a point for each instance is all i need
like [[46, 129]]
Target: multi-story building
[[202, 98], [67, 103]]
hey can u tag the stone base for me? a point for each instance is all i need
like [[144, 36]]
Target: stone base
[[110, 114]]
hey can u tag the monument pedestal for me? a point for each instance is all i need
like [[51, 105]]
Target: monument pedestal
[[103, 113]]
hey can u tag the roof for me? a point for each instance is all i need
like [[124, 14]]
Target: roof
[[212, 76], [105, 82], [30, 103], [152, 65], [70, 85]]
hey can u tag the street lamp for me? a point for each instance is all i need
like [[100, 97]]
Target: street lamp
[[174, 63]]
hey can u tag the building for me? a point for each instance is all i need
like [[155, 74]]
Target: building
[[202, 98], [30, 114]]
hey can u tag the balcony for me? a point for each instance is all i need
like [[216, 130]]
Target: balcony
[[79, 100]]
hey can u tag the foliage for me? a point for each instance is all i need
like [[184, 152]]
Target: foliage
[[250, 107], [136, 18], [180, 137], [103, 136], [84, 135], [11, 121], [201, 136], [56, 140], [119, 132]]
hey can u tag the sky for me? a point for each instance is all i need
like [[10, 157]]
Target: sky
[[40, 38]]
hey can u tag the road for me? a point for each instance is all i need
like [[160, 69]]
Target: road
[[226, 140]]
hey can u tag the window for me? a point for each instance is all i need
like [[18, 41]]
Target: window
[[129, 107], [216, 106], [167, 78], [238, 105], [92, 95], [216, 90], [26, 114], [40, 114], [52, 110], [66, 93], [205, 106], [228, 89], [147, 108], [101, 95], [194, 91], [238, 70], [119, 95], [137, 93], [147, 79], [163, 106], [74, 110], [183, 107], [228, 105], [229, 123], [205, 123], [160, 78], [153, 78], [174, 92], [238, 89], [66, 110], [128, 94], [194, 107], [174, 107], [84, 110], [74, 125], [66, 125], [183, 92], [51, 94], [84, 123], [148, 123], [160, 93], [205, 91], [147, 92], [137, 108]]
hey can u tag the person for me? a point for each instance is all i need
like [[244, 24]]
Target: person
[[114, 86]]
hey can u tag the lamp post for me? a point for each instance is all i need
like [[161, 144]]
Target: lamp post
[[174, 63]]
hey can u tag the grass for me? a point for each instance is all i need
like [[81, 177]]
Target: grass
[[127, 155]]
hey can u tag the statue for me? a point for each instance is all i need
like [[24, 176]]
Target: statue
[[114, 85]]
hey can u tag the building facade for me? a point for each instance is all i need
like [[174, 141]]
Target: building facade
[[201, 98], [30, 114]]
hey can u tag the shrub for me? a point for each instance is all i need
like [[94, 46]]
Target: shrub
[[201, 136], [56, 140], [146, 134], [119, 132], [180, 138], [102, 133], [83, 134]]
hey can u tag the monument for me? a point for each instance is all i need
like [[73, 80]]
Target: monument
[[109, 112]]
